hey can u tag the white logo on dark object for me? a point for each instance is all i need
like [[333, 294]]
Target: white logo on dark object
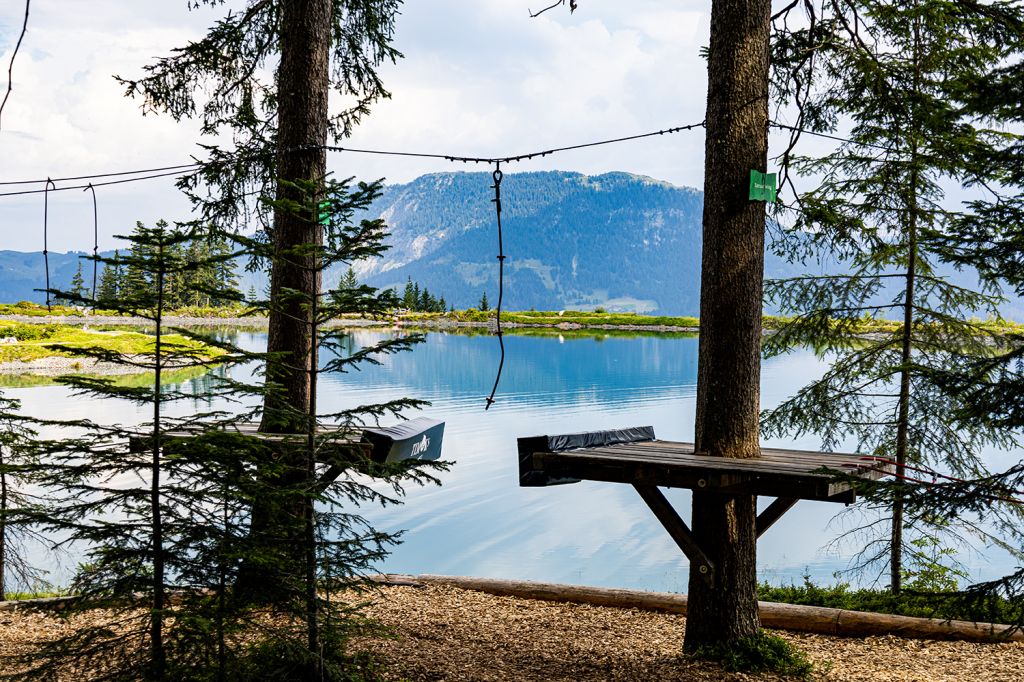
[[421, 447]]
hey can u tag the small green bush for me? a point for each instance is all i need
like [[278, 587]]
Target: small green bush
[[762, 652], [909, 602], [29, 332]]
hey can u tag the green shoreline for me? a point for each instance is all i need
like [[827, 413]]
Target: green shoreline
[[540, 323]]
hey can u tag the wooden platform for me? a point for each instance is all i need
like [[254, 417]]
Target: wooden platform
[[778, 473], [636, 457]]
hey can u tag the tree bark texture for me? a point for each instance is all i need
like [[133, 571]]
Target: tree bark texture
[[303, 85], [728, 391]]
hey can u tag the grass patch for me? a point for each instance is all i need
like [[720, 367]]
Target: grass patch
[[34, 341], [759, 653], [140, 380]]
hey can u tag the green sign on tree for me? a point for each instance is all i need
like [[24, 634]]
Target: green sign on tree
[[762, 186]]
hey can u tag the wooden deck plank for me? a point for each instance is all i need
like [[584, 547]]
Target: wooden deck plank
[[783, 473], [675, 476], [703, 461]]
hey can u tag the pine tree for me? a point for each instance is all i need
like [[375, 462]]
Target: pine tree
[[483, 304], [328, 548], [17, 466], [349, 280], [137, 539], [899, 72], [110, 279], [224, 275], [137, 282], [78, 287], [409, 296]]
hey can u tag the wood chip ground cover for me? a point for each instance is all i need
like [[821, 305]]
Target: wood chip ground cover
[[444, 633]]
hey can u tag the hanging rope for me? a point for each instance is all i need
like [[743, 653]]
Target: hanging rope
[[46, 232], [501, 278], [95, 241]]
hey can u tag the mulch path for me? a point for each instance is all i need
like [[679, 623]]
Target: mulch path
[[445, 633]]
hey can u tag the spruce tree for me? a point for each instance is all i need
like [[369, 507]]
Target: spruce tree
[[17, 469], [137, 281], [349, 281], [898, 72], [279, 128], [110, 279], [78, 287], [319, 478], [139, 515], [409, 296], [483, 304]]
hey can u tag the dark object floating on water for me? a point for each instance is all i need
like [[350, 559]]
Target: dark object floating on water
[[414, 439]]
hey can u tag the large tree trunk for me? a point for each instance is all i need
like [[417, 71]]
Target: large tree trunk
[[724, 609], [302, 86]]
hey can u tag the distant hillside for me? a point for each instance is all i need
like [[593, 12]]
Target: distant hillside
[[620, 241], [21, 273]]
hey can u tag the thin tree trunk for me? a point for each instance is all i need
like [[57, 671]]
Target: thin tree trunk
[[156, 619], [903, 417], [3, 529], [303, 86], [312, 615], [728, 395]]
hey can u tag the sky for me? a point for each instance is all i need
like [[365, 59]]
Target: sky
[[478, 79]]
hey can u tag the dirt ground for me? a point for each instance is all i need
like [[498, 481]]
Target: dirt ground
[[445, 633], [451, 634]]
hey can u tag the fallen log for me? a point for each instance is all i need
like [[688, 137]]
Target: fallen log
[[816, 619]]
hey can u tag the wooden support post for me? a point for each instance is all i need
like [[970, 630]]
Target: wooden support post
[[773, 512], [678, 529]]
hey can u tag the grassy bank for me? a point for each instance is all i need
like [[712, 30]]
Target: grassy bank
[[25, 342], [527, 319]]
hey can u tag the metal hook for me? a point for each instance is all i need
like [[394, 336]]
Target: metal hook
[[498, 175], [95, 240], [46, 251]]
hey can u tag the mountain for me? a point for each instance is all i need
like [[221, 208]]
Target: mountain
[[22, 273], [620, 241]]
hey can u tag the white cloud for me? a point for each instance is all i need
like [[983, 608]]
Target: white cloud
[[479, 78]]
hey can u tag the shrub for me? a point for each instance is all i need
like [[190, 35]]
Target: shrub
[[762, 652]]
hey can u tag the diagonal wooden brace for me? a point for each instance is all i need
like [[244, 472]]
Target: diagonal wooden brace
[[773, 512], [678, 529]]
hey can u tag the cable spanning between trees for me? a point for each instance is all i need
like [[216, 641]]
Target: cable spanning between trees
[[92, 184], [166, 171], [184, 166]]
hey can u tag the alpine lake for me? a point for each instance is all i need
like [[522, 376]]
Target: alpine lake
[[479, 522]]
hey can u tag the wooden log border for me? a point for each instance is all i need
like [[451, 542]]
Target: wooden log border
[[792, 617], [816, 619]]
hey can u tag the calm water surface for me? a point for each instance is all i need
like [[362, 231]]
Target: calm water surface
[[479, 522]]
